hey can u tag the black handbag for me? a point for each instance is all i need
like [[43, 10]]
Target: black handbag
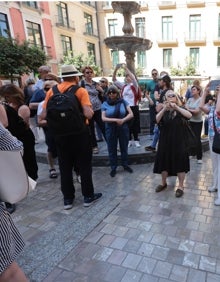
[[216, 139], [191, 140]]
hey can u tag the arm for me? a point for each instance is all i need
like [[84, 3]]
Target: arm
[[3, 116], [114, 73], [204, 107], [151, 102], [218, 101], [181, 110], [24, 112]]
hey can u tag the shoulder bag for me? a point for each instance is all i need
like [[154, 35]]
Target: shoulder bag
[[15, 184], [216, 139]]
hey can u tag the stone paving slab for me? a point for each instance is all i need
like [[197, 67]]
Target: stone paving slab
[[131, 234]]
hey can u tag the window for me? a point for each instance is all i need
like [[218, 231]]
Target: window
[[63, 18], [4, 27], [115, 57], [31, 4], [140, 27], [218, 57], [91, 50], [194, 56], [194, 27], [66, 44], [88, 24], [167, 58], [112, 26], [34, 34], [167, 28], [141, 59]]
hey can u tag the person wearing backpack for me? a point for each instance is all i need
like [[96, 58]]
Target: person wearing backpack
[[67, 109], [130, 92]]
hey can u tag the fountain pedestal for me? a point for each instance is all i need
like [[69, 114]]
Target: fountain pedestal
[[128, 42]]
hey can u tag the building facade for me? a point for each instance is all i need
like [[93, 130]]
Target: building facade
[[181, 32]]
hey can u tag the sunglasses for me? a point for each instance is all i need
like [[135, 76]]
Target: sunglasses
[[46, 79], [88, 72], [112, 93], [171, 96], [154, 73], [102, 81]]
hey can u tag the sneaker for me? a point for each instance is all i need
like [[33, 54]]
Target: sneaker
[[199, 161], [128, 169], [89, 200], [204, 136], [113, 173], [68, 204], [137, 144], [149, 148], [129, 144], [212, 189], [95, 150], [217, 202]]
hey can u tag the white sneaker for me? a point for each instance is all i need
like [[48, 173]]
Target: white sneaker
[[199, 161], [217, 202], [212, 189], [129, 144], [137, 144]]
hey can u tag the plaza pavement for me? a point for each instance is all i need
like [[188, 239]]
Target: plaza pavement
[[131, 234]]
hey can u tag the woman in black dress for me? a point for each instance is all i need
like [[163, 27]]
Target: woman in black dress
[[172, 156]]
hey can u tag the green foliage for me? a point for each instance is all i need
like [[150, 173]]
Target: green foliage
[[188, 70], [19, 58], [79, 61]]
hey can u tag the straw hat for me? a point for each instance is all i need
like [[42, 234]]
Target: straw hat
[[69, 70]]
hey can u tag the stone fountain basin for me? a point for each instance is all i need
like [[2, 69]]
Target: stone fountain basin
[[128, 43]]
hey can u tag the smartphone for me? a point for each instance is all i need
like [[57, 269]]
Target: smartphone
[[118, 66], [213, 84]]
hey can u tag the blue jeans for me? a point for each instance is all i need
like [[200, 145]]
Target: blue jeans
[[114, 134], [156, 136]]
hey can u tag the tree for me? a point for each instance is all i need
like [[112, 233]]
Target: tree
[[79, 61], [188, 70], [19, 58]]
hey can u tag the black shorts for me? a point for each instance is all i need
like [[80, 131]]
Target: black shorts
[[50, 141]]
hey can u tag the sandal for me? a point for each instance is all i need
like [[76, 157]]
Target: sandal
[[179, 193], [160, 188], [53, 173]]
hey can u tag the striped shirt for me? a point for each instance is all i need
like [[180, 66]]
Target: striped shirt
[[8, 142]]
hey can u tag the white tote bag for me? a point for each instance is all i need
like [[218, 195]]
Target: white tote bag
[[14, 181]]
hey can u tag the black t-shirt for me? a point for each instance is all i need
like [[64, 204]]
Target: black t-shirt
[[162, 95]]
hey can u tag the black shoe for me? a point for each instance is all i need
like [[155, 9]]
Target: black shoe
[[68, 204], [89, 200], [10, 207], [160, 188], [179, 193], [113, 173], [149, 148], [128, 169]]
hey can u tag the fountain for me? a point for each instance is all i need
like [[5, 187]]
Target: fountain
[[128, 42]]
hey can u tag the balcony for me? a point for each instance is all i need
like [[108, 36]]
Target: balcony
[[195, 4], [195, 40], [216, 41], [90, 32], [65, 23], [46, 49], [167, 42], [144, 5], [166, 5], [88, 3]]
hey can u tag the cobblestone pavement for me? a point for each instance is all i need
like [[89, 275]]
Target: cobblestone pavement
[[131, 234]]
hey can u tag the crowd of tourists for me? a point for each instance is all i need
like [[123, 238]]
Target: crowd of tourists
[[76, 112]]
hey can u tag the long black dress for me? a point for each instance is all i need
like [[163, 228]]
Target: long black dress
[[172, 154]]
